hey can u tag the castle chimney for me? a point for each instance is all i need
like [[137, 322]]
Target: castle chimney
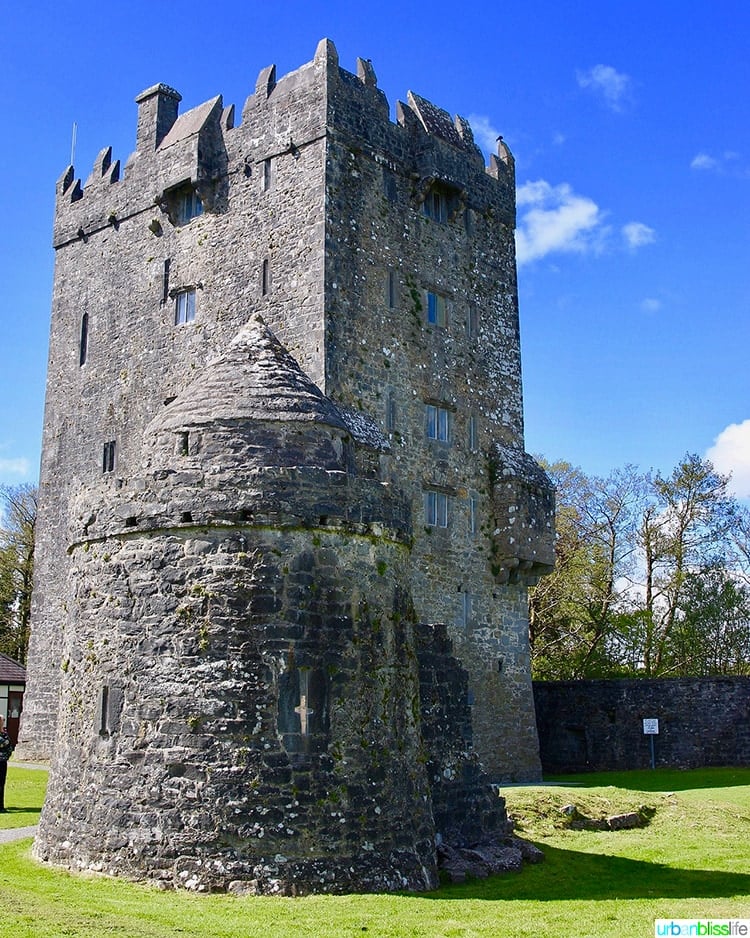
[[157, 112]]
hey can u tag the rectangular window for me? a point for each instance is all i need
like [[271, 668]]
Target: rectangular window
[[472, 322], [184, 310], [473, 514], [83, 347], [436, 509], [436, 309], [189, 206], [435, 205], [267, 174], [390, 186], [390, 413], [165, 281], [467, 609], [391, 289], [437, 423], [108, 457], [104, 711], [472, 433]]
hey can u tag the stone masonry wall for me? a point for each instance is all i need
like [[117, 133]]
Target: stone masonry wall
[[383, 255], [313, 217], [199, 773], [119, 260], [587, 726], [247, 700]]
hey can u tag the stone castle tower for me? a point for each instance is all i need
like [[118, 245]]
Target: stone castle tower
[[287, 522]]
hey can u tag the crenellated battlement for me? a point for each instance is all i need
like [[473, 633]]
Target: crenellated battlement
[[203, 145]]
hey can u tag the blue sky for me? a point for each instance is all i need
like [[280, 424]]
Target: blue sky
[[630, 126]]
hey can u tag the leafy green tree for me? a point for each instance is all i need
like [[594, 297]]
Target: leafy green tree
[[652, 576], [687, 528], [17, 523], [572, 609], [711, 634]]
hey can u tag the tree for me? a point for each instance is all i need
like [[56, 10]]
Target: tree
[[652, 576], [711, 634], [17, 524], [685, 531], [572, 609]]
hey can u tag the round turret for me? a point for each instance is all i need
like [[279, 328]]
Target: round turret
[[239, 661]]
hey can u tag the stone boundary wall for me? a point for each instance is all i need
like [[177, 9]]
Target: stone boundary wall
[[597, 725]]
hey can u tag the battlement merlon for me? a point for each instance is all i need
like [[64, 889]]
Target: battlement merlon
[[110, 196]]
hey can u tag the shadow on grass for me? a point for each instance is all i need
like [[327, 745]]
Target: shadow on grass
[[659, 779], [568, 874]]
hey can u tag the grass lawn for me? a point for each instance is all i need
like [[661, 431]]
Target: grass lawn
[[693, 860], [24, 794]]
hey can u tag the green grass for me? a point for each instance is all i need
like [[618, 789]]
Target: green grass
[[660, 779], [691, 861], [24, 794]]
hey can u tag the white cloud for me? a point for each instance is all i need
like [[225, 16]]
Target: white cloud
[[730, 455], [484, 133], [637, 234], [554, 218], [14, 467], [704, 161], [729, 163], [651, 305], [613, 86]]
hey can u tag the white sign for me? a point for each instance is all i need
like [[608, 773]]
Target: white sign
[[651, 727]]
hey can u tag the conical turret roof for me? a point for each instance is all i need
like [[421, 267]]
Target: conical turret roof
[[255, 379]]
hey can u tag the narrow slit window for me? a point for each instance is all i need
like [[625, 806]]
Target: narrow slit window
[[390, 186], [436, 509], [390, 413], [472, 322], [467, 609], [437, 423], [265, 274], [184, 310], [165, 282], [391, 288], [83, 350], [473, 514], [303, 710], [473, 433], [104, 711], [267, 174], [108, 456]]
